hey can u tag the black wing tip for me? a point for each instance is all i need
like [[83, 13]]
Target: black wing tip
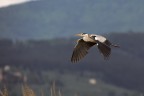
[[104, 50], [74, 61]]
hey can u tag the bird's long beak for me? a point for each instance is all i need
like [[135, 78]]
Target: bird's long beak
[[77, 34]]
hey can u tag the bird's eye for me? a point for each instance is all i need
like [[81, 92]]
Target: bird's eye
[[93, 36]]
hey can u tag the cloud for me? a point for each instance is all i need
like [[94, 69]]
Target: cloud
[[6, 3]]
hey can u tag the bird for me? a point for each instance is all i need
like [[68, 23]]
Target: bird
[[89, 40]]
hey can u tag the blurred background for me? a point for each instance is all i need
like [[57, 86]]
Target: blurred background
[[37, 40]]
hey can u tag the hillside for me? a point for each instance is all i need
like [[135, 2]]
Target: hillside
[[50, 19], [123, 69], [67, 82]]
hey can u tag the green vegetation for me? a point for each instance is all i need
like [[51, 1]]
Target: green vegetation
[[40, 62], [48, 18], [44, 64], [67, 83]]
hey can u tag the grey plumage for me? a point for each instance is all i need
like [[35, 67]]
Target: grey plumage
[[86, 42]]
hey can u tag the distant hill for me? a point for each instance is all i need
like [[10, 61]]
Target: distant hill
[[50, 19], [124, 68]]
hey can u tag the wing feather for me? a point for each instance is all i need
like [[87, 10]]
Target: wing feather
[[104, 49], [80, 50]]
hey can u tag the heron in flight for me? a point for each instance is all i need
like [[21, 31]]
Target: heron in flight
[[89, 40]]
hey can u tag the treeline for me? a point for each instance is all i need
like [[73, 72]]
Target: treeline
[[124, 68]]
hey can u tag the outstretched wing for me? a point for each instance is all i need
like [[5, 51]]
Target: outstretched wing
[[80, 50], [104, 49]]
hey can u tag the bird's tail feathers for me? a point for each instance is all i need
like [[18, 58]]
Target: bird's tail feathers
[[114, 45]]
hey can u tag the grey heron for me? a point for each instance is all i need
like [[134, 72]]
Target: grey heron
[[89, 40]]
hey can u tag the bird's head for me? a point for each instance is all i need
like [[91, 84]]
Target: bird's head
[[81, 34]]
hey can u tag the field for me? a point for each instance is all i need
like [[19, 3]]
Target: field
[[66, 83]]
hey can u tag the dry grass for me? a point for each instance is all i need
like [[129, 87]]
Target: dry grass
[[4, 92], [28, 91], [54, 91]]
